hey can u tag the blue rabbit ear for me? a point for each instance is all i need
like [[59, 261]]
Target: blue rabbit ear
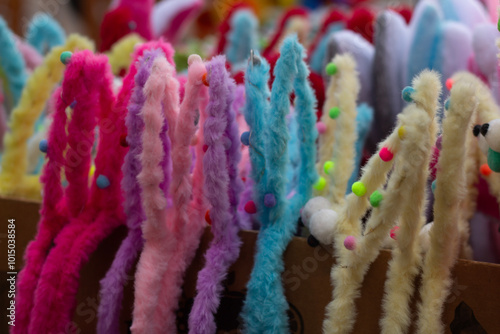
[[426, 41], [44, 33], [347, 41], [485, 54], [242, 37], [389, 72], [469, 12], [457, 49]]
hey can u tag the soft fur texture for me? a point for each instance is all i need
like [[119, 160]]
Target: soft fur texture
[[187, 194], [347, 275], [154, 257], [119, 55], [97, 211], [111, 292], [44, 33], [485, 55], [406, 258], [31, 56], [450, 184], [265, 307], [364, 121], [13, 179], [243, 36], [12, 64], [391, 42], [222, 189]]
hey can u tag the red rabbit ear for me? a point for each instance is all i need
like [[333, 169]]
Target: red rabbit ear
[[361, 21]]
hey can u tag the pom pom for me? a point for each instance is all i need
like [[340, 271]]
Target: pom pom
[[485, 170], [312, 241], [331, 69], [245, 138], [376, 198], [269, 200], [73, 104], [205, 148], [92, 171], [43, 145], [123, 140], [204, 80], [194, 58], [401, 132], [207, 217], [493, 158], [433, 186], [322, 225], [385, 154], [350, 243], [321, 127], [394, 231], [447, 104], [102, 182], [359, 189], [407, 93], [328, 167], [66, 57], [320, 184], [250, 207], [449, 83], [334, 112], [312, 206]]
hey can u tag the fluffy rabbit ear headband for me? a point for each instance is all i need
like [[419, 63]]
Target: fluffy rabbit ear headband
[[44, 33], [449, 185], [243, 36], [96, 210], [222, 188], [111, 293], [13, 179], [354, 248], [70, 152], [268, 152]]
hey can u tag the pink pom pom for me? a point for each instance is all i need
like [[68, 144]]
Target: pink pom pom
[[321, 127], [394, 231], [449, 83], [350, 242], [250, 207], [385, 154]]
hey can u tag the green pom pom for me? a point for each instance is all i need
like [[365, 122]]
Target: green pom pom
[[494, 160], [376, 198], [334, 112], [331, 69], [359, 189], [328, 167], [433, 186], [66, 57], [447, 104], [320, 184]]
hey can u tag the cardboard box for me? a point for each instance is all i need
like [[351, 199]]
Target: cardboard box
[[306, 280]]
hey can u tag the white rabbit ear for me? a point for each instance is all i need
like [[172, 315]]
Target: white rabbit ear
[[322, 225], [491, 132], [424, 237], [312, 206]]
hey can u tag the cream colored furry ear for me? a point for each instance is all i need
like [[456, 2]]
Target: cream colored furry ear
[[322, 225], [312, 206]]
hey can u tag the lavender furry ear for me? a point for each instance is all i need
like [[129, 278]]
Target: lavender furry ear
[[44, 33]]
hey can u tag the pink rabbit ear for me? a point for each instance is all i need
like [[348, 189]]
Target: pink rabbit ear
[[170, 17]]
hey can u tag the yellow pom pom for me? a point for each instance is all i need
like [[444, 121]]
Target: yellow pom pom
[[320, 184], [92, 171], [401, 132], [359, 189]]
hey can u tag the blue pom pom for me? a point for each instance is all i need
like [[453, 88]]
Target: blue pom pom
[[447, 104], [269, 200], [245, 138], [102, 182], [73, 104], [407, 93], [43, 146], [433, 186]]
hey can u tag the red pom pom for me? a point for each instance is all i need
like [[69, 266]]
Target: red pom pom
[[204, 79], [385, 154], [123, 140], [394, 230], [205, 148], [449, 83], [207, 217], [250, 207], [485, 170]]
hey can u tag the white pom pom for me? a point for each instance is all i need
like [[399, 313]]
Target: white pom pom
[[312, 206], [322, 225], [425, 239], [493, 135], [192, 58]]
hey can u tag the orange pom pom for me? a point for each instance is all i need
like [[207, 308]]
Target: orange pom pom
[[204, 79], [485, 170]]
